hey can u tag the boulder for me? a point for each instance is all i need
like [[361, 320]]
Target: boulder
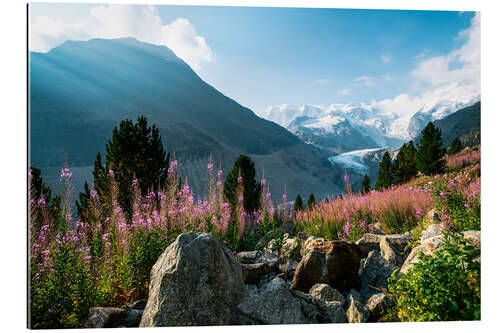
[[290, 248], [113, 317], [138, 305], [306, 245], [474, 236], [432, 231], [275, 303], [333, 262], [370, 242], [325, 293], [255, 264], [288, 267], [356, 312], [432, 244], [196, 281], [377, 304], [374, 272]]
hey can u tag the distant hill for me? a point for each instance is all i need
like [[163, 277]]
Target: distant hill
[[80, 90], [464, 124]]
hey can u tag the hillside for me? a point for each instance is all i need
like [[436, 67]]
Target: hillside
[[81, 90]]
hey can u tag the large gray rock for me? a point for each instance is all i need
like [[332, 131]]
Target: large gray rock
[[256, 264], [357, 312], [370, 242], [324, 292], [432, 244], [196, 281], [333, 262], [275, 303], [377, 304], [113, 317], [427, 247], [374, 272], [433, 230]]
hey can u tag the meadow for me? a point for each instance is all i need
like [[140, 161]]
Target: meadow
[[106, 261]]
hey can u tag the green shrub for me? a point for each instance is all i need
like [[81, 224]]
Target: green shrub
[[443, 286]]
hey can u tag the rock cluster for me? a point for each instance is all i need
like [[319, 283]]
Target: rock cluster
[[290, 280]]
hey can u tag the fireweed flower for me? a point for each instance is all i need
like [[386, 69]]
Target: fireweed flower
[[263, 182], [210, 167], [111, 173], [173, 166], [30, 174], [240, 179], [93, 194], [65, 175]]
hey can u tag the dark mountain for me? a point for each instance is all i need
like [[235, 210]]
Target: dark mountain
[[464, 124], [79, 91]]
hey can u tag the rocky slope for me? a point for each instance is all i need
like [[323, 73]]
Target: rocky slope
[[198, 281]]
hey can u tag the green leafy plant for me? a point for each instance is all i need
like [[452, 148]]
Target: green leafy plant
[[442, 286]]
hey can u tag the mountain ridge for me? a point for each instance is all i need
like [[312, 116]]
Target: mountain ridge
[[79, 91]]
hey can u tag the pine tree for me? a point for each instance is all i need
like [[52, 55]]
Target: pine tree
[[39, 189], [311, 201], [404, 166], [83, 203], [251, 189], [134, 151], [298, 205], [456, 147], [430, 151], [385, 176], [365, 185]]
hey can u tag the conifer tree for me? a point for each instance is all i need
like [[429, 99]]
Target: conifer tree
[[39, 189], [134, 151], [404, 166], [456, 147], [298, 205], [243, 166], [430, 151], [311, 201], [365, 185], [385, 176]]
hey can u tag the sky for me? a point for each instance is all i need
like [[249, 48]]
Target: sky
[[397, 60]]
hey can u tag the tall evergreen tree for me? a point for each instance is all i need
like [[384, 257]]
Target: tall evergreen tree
[[311, 201], [456, 147], [134, 151], [251, 189], [366, 185], [298, 205], [430, 151], [385, 176], [39, 189], [404, 166]]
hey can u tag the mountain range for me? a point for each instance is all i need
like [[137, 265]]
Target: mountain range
[[80, 90], [341, 128]]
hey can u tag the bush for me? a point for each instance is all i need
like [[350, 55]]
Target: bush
[[460, 205], [443, 286]]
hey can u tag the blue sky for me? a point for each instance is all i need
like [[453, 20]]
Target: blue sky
[[269, 56]]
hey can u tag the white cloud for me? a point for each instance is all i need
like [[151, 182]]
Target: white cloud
[[344, 92], [364, 81], [387, 77], [386, 58], [115, 21], [453, 78], [422, 54]]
